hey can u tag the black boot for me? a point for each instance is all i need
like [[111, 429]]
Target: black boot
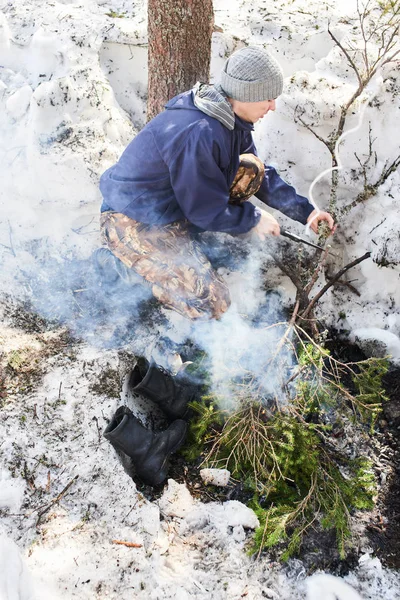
[[149, 450], [172, 394]]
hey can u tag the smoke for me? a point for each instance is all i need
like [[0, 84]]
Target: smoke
[[246, 360], [107, 313], [239, 352], [243, 352]]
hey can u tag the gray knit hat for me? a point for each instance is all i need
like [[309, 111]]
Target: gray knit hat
[[252, 75]]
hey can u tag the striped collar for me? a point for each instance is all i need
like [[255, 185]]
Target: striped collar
[[214, 103]]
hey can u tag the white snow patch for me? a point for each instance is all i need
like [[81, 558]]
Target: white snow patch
[[329, 587], [219, 477], [15, 580], [176, 500], [11, 491]]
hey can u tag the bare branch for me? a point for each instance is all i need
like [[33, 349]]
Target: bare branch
[[332, 281], [384, 50], [387, 172], [362, 17], [307, 126], [347, 55]]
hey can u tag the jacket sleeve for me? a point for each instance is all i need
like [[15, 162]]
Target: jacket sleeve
[[277, 193], [201, 188]]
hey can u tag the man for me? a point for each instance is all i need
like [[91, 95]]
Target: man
[[193, 169]]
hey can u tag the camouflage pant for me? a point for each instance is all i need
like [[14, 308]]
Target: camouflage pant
[[171, 260]]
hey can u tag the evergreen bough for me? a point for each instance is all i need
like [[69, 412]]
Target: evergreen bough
[[287, 455]]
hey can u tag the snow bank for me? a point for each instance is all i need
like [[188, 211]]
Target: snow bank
[[15, 580]]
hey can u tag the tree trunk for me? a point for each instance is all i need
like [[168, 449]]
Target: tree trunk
[[179, 34]]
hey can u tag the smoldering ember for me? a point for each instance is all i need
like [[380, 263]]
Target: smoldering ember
[[199, 391]]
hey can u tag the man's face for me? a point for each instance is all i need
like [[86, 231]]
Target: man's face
[[252, 111]]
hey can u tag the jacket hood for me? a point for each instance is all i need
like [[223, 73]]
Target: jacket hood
[[211, 101]]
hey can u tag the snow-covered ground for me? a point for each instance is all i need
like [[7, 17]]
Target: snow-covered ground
[[72, 95], [52, 449]]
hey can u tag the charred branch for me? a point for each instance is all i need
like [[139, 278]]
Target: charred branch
[[332, 281]]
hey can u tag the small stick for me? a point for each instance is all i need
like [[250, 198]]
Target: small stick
[[298, 239], [127, 544], [264, 534], [99, 432], [55, 500], [287, 332], [296, 374], [379, 224], [48, 482]]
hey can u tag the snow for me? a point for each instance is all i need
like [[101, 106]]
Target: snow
[[330, 587], [72, 95], [15, 582], [219, 477], [12, 492]]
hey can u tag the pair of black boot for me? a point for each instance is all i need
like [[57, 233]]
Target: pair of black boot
[[150, 450]]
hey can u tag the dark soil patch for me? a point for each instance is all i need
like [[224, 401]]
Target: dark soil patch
[[383, 531], [384, 534], [23, 316], [109, 383], [22, 369]]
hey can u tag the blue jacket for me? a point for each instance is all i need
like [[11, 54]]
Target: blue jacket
[[181, 166]]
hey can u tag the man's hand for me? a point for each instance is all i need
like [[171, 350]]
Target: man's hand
[[317, 216], [267, 225]]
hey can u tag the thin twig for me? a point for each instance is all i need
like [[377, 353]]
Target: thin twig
[[10, 248], [286, 334], [55, 500], [347, 55], [371, 190], [320, 138], [379, 224], [296, 374], [264, 533]]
